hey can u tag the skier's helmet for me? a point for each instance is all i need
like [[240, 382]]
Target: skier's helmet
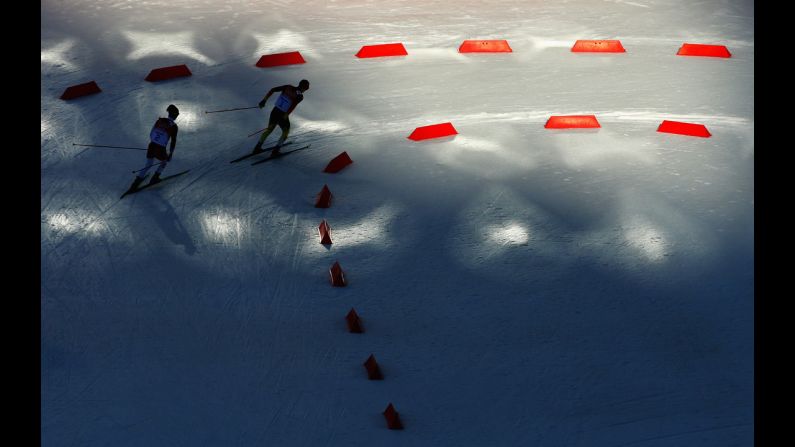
[[172, 110], [304, 84]]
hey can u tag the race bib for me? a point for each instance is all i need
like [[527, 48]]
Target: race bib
[[159, 136], [283, 103]]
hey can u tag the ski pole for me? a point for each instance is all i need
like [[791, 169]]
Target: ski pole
[[153, 164], [256, 132], [229, 110], [266, 128], [112, 147]]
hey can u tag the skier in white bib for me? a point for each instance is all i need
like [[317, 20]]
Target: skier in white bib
[[280, 115], [164, 129]]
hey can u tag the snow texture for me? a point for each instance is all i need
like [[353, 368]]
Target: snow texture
[[519, 286]]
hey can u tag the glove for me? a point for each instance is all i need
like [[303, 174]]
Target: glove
[[262, 104]]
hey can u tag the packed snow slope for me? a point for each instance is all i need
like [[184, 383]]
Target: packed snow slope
[[519, 286]]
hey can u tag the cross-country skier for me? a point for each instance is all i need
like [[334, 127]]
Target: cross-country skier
[[165, 129], [280, 115]]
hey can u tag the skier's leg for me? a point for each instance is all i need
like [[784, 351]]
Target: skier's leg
[[156, 178], [262, 137], [283, 137], [149, 163], [141, 174], [162, 166], [285, 126], [274, 119]]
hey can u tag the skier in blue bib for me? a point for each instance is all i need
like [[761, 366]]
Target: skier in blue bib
[[280, 115], [164, 129]]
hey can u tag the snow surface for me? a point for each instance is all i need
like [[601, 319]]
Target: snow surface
[[519, 286]]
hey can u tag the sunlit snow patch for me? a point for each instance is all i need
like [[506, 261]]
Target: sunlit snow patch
[[476, 144], [371, 229], [512, 233], [590, 148], [322, 126], [150, 44], [222, 228], [543, 44], [73, 221], [648, 240], [56, 55], [281, 42]]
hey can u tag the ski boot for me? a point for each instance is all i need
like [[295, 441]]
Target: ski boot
[[155, 179], [136, 183], [257, 148]]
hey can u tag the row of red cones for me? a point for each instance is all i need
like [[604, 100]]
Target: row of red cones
[[337, 276], [374, 371], [564, 122], [397, 49]]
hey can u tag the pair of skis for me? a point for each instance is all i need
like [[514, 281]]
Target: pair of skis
[[281, 154], [147, 185], [168, 177]]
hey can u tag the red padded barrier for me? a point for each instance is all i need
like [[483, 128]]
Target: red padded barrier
[[485, 46], [598, 46], [337, 275], [691, 129], [161, 74], [697, 49], [433, 131], [571, 122], [392, 418], [373, 371], [323, 198], [76, 91], [279, 59], [338, 163], [354, 322], [387, 49]]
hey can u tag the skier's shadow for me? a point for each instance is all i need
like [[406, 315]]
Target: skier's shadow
[[168, 220]]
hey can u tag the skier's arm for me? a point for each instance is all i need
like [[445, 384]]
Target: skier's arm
[[270, 92], [173, 142]]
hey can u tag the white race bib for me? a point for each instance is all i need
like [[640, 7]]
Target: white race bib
[[283, 103], [159, 136]]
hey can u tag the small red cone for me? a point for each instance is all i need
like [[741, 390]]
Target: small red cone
[[387, 49], [571, 122], [392, 418], [696, 49], [275, 60], [76, 91], [164, 73], [338, 163], [373, 371], [691, 129], [354, 322], [433, 131], [323, 198], [598, 46], [485, 46], [337, 275], [325, 232]]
